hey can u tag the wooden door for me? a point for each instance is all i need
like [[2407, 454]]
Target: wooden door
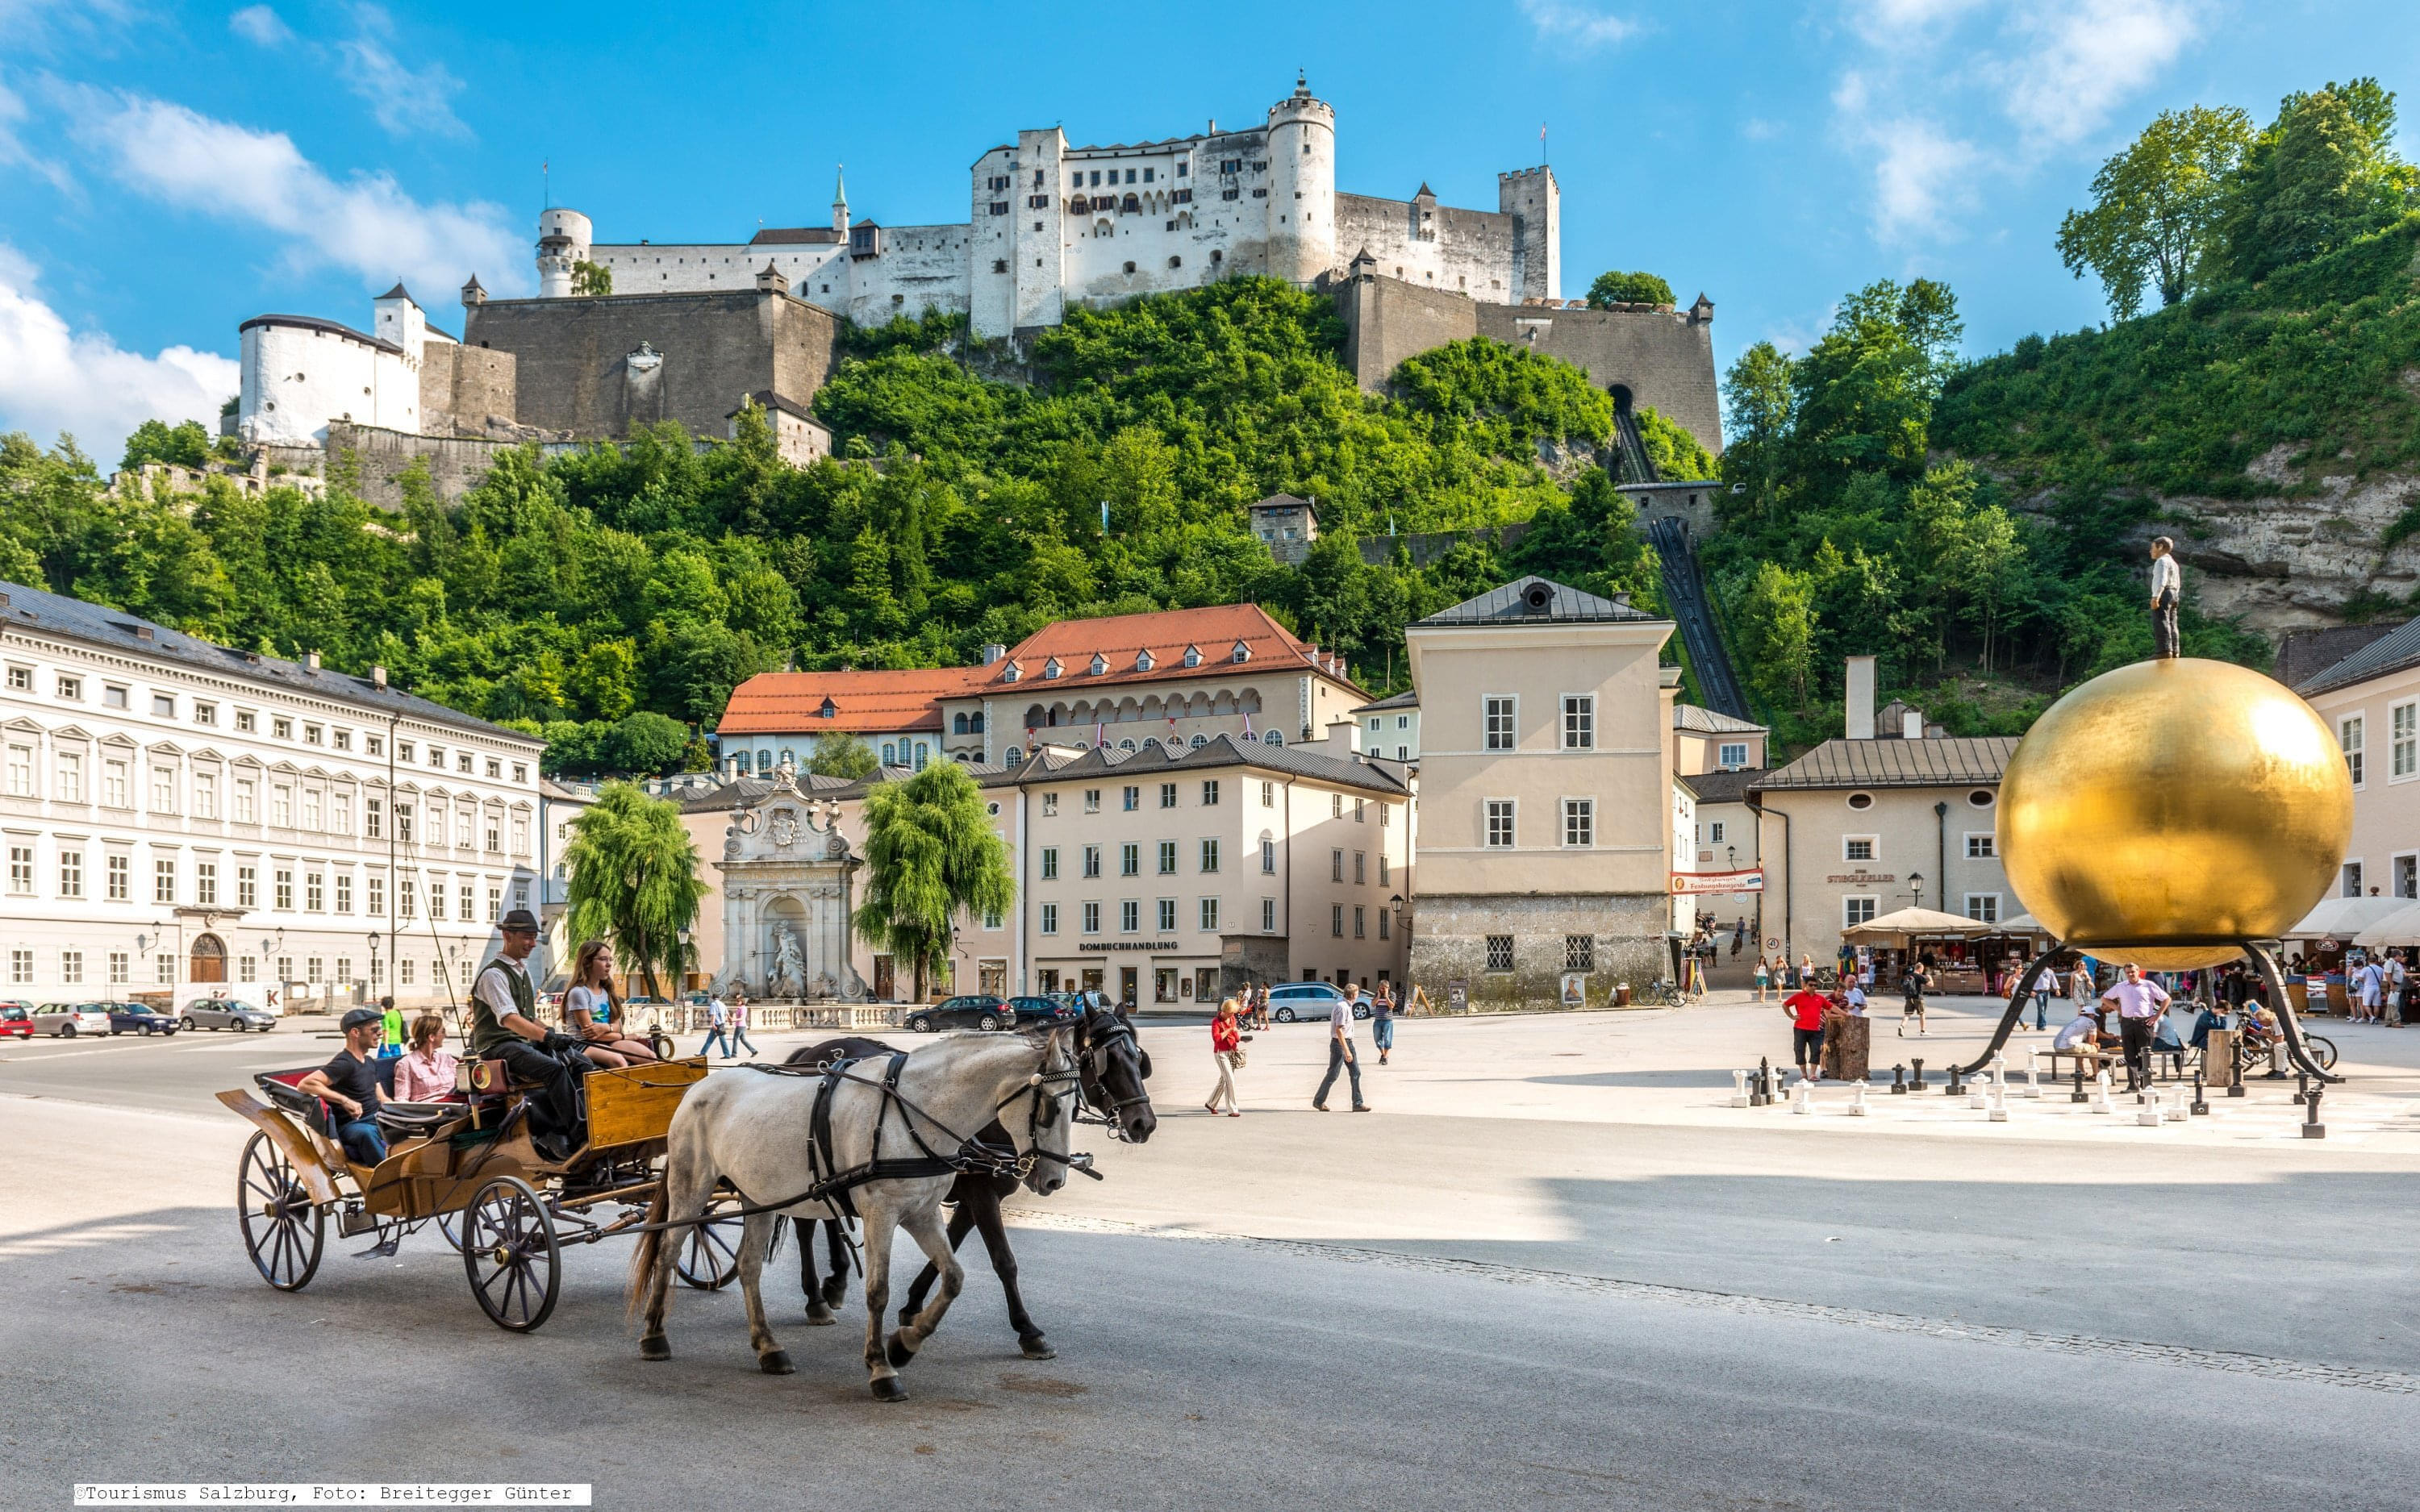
[[882, 979]]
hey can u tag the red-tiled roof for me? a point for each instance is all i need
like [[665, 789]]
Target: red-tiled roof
[[862, 703], [1119, 638]]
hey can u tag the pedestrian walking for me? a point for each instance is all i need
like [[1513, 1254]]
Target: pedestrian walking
[[1911, 985], [391, 1020], [2044, 985], [1261, 1006], [738, 1027], [1804, 1009], [1341, 1056], [2168, 587], [1227, 1052], [1382, 1021], [2398, 983], [2141, 1005], [718, 1020]]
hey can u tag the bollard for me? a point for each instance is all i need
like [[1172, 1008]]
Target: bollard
[[1738, 1089], [1917, 1084], [1802, 1096], [2312, 1127], [2078, 1095], [2147, 1115], [1857, 1099], [2199, 1107], [1899, 1080]]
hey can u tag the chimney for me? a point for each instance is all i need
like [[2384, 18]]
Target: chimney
[[993, 652], [311, 660], [1861, 698], [1911, 725], [1344, 738], [378, 677]]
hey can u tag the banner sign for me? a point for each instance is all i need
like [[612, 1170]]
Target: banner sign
[[1751, 880]]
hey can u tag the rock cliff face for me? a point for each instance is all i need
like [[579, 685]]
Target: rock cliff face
[[2291, 560]]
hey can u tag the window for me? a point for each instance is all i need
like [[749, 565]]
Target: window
[[1167, 794], [121, 968], [285, 889], [1856, 911], [113, 785], [1360, 869], [1496, 717], [120, 879], [310, 809], [1336, 865], [403, 971], [1861, 801], [1210, 915], [166, 965], [1209, 855], [463, 761], [344, 892], [344, 739], [1049, 919], [1092, 860], [21, 679], [1335, 920], [71, 873], [1385, 918], [2406, 876], [403, 749], [20, 771], [2403, 758], [72, 967], [1268, 795], [1268, 916], [1579, 952], [1499, 952], [1385, 814], [1732, 754], [1983, 907], [312, 969], [282, 729], [71, 687], [21, 868], [205, 884], [70, 778], [2352, 879], [206, 795], [991, 917], [1167, 915], [1359, 813], [1579, 821], [247, 802], [1979, 848], [1715, 832], [1167, 857], [1130, 860], [437, 900], [1336, 806], [2350, 736], [378, 896], [313, 734], [247, 886], [1360, 921], [1269, 855], [1210, 792], [1858, 847], [1050, 863], [163, 881], [1499, 824], [281, 805], [1579, 721], [21, 965], [1092, 800], [1129, 916], [245, 722], [468, 901], [1092, 919], [112, 698], [1132, 798], [1382, 868], [1049, 804], [403, 823], [495, 835]]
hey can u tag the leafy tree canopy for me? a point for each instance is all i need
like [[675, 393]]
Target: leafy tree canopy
[[1612, 288], [930, 854], [2156, 207]]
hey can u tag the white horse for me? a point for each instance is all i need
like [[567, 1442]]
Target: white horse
[[753, 1128]]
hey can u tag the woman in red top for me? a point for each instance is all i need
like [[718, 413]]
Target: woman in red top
[[1225, 1037], [1806, 1009]]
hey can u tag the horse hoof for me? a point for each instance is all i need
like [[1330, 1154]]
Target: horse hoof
[[887, 1389], [774, 1361], [820, 1318], [1037, 1348], [898, 1353], [655, 1346]]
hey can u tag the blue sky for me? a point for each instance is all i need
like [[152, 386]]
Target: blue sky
[[168, 170]]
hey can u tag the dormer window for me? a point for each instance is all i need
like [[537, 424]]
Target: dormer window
[[1193, 656], [1051, 669], [1142, 660], [1012, 673], [1241, 653], [830, 710], [1100, 663]]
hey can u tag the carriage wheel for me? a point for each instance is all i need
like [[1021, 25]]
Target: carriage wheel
[[510, 1254], [710, 1253], [281, 1228], [2323, 1050], [449, 1225]]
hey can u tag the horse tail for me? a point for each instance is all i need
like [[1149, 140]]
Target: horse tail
[[649, 1253]]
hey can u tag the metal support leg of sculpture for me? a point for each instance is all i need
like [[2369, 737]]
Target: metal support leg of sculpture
[[2284, 1008], [2008, 1021]]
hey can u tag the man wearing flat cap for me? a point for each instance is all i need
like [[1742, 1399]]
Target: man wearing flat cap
[[504, 1026], [350, 1086]]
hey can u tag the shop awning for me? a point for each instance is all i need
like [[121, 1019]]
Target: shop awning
[[2401, 927], [2342, 919], [1907, 922], [2021, 924]]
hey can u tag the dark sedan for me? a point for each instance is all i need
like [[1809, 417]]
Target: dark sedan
[[138, 1018], [974, 1010], [1050, 1008]]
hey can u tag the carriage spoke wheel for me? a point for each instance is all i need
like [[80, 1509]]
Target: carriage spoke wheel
[[511, 1252], [449, 1225], [281, 1228], [710, 1253]]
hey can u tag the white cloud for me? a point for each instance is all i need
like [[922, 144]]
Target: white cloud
[[54, 380], [1577, 25], [1924, 181], [366, 225], [2075, 64], [403, 99], [14, 152], [260, 26]]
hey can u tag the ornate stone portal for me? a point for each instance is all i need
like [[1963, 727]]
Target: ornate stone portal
[[788, 887]]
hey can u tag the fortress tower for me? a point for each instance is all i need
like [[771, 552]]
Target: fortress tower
[[563, 239], [1302, 187], [1535, 201]]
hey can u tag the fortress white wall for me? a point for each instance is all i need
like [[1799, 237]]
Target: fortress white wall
[[295, 378]]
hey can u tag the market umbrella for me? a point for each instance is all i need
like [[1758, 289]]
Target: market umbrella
[[1907, 922], [2401, 927], [2341, 918]]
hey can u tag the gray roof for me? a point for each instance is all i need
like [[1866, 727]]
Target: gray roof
[[1711, 721], [312, 322], [1565, 606], [1226, 750], [2387, 654], [35, 609], [1722, 787], [1408, 699], [1894, 763]]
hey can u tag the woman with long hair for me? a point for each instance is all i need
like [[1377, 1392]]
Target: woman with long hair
[[590, 1011], [1225, 1040]]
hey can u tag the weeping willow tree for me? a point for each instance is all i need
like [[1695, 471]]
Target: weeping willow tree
[[930, 852], [634, 881]]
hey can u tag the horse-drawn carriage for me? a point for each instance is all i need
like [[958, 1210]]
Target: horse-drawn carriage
[[469, 1167]]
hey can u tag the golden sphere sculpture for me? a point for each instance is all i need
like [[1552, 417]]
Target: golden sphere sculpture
[[2163, 810]]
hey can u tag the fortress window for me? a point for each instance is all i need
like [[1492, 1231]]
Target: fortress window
[[1000, 264], [1146, 176], [1260, 194], [1176, 262], [1216, 255], [1183, 196], [1000, 206], [1129, 267], [1260, 167], [1037, 179], [1130, 176], [1096, 179], [1231, 194], [1232, 165]]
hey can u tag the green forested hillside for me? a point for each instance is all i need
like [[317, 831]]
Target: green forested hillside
[[604, 595]]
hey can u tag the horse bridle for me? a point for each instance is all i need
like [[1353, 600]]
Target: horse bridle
[[1093, 1097]]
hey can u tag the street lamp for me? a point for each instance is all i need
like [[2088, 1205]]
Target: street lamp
[[1915, 881]]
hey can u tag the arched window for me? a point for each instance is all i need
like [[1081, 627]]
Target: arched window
[[1079, 205], [1275, 737], [1200, 741], [922, 753], [957, 724], [1131, 204], [890, 753], [764, 761], [974, 724], [1014, 755], [1125, 745]]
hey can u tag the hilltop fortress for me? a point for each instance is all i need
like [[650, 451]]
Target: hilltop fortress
[[692, 331]]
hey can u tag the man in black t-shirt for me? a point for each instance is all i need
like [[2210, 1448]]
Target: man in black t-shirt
[[350, 1085]]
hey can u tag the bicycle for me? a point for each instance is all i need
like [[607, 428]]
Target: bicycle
[[2252, 1051], [1661, 994]]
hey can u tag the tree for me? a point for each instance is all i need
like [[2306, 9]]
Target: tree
[[930, 852], [186, 445], [1612, 288], [2323, 173], [842, 755], [2156, 207], [1759, 403], [634, 880], [1863, 396], [591, 280], [643, 744], [1777, 621]]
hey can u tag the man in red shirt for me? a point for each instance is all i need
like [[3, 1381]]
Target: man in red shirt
[[1806, 1009]]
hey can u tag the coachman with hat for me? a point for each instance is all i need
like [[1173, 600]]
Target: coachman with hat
[[504, 1026]]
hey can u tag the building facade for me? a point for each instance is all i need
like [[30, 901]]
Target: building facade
[[1391, 726], [187, 817], [1548, 810], [2371, 699]]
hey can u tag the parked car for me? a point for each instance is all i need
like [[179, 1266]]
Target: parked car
[[974, 1010], [16, 1021], [65, 1021], [225, 1014], [1045, 1008], [1305, 1001], [138, 1018]]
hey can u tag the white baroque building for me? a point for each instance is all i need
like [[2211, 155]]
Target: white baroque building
[[1052, 225], [185, 818]]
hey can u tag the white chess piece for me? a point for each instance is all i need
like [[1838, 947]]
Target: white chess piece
[[1857, 1099], [2033, 1070], [1802, 1099], [2147, 1115], [1999, 1113], [1738, 1089], [2101, 1103]]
